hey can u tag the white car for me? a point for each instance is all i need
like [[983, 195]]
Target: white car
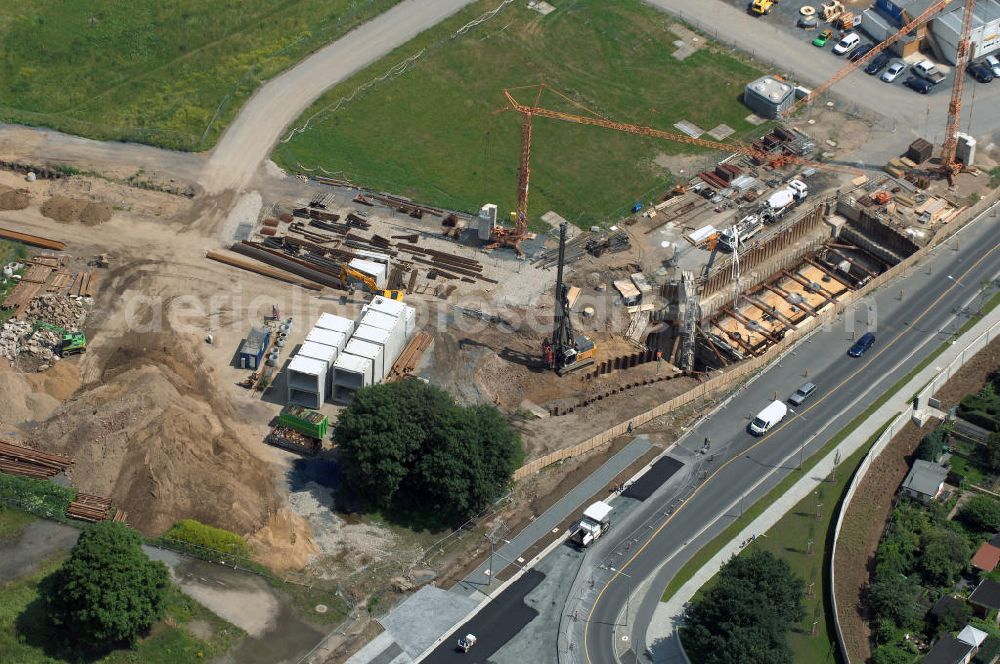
[[893, 71], [847, 44], [993, 63]]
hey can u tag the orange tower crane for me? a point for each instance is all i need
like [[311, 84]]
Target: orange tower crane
[[512, 237], [949, 164]]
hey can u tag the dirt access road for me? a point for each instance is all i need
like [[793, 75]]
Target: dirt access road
[[248, 141]]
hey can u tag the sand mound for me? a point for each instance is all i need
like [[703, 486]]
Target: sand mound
[[21, 403], [157, 438], [284, 543], [13, 199], [65, 209]]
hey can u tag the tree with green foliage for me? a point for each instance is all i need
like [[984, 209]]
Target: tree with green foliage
[[981, 514], [408, 449], [891, 654], [944, 555], [894, 599], [108, 592], [745, 617], [991, 453], [953, 617], [933, 445]]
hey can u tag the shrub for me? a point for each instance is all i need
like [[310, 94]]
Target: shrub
[[981, 514], [199, 534], [39, 497]]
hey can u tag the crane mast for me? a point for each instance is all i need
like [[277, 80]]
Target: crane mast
[[948, 163]]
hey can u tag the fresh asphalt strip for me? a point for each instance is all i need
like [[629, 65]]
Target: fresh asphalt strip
[[495, 625], [661, 471]]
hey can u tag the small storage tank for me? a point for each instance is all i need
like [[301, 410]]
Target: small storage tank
[[769, 96]]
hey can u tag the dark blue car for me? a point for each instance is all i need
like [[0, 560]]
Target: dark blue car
[[862, 345]]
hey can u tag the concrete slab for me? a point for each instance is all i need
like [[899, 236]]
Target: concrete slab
[[424, 616], [383, 649], [755, 119], [721, 132], [689, 128]]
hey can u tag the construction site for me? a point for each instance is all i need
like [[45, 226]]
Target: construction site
[[181, 351]]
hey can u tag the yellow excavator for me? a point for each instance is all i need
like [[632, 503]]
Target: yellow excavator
[[347, 274]]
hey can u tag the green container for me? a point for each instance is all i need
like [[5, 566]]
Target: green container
[[307, 422]]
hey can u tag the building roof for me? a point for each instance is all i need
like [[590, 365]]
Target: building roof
[[972, 636], [948, 650], [985, 11], [925, 477], [327, 337], [986, 594], [986, 557], [318, 351], [255, 341], [352, 363], [942, 605], [307, 365], [335, 323]]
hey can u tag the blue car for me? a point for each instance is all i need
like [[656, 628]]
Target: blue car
[[862, 345]]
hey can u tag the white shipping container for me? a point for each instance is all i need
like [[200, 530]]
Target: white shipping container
[[306, 376], [337, 324], [350, 373], [370, 351], [327, 337], [376, 271]]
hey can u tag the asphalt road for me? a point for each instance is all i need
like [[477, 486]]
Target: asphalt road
[[907, 330], [496, 624]]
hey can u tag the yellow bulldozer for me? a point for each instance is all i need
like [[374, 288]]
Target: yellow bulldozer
[[762, 7]]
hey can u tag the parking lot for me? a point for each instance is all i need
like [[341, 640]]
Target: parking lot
[[776, 40]]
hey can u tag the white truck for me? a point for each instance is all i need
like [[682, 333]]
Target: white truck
[[595, 523], [740, 232], [783, 200], [925, 69], [767, 418]]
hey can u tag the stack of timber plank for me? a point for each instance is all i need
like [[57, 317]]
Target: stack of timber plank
[[19, 460], [90, 508]]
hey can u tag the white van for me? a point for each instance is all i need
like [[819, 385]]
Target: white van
[[847, 44], [767, 418]]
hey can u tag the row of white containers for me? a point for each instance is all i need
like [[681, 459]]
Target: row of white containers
[[341, 356]]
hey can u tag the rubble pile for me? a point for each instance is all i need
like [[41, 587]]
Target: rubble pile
[[17, 339], [58, 310]]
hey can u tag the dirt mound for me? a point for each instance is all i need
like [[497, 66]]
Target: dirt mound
[[95, 213], [13, 199], [65, 209], [284, 543], [155, 436]]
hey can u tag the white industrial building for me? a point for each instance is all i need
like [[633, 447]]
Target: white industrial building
[[984, 34], [340, 356], [942, 35]]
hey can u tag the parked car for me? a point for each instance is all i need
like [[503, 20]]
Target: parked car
[[802, 394], [822, 38], [893, 71], [847, 44], [980, 72], [862, 345], [860, 52], [878, 63], [917, 84], [993, 63]]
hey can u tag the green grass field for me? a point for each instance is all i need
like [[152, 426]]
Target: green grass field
[[432, 133], [155, 72], [25, 639]]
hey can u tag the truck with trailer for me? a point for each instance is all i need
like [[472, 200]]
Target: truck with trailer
[[299, 430], [595, 522]]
